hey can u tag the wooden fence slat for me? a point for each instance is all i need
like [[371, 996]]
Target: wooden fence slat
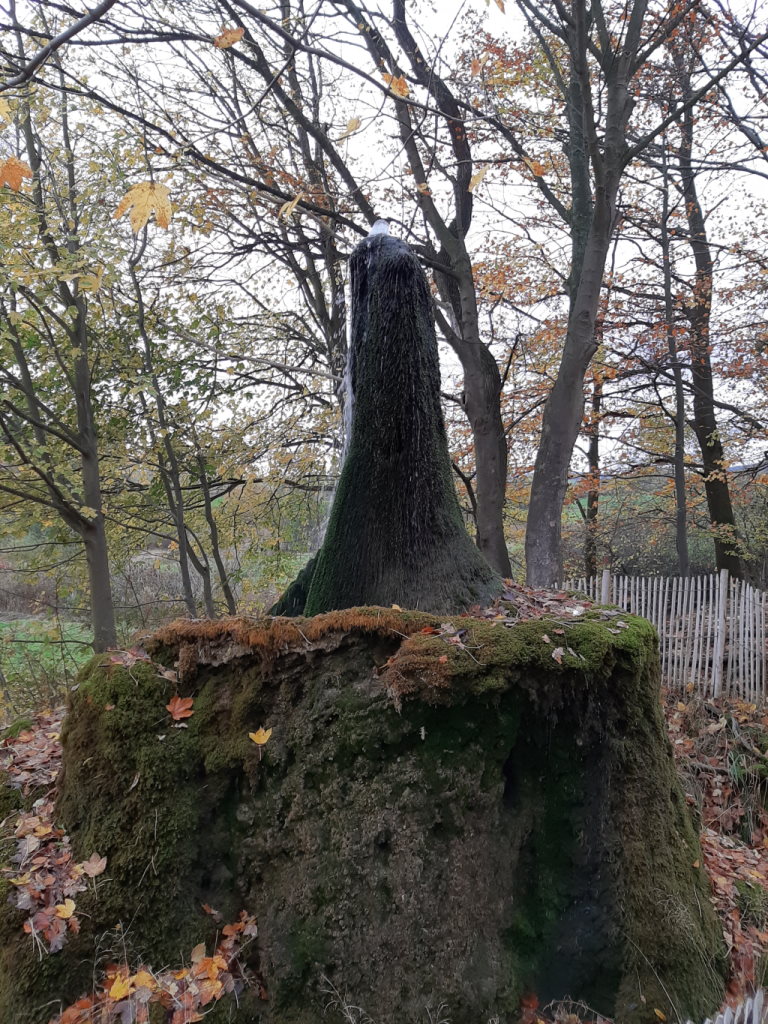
[[732, 635], [713, 630], [696, 653], [711, 617], [741, 678]]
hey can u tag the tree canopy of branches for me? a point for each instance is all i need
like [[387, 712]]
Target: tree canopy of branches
[[519, 158]]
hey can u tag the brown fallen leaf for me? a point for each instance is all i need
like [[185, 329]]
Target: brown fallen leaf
[[180, 707], [94, 866]]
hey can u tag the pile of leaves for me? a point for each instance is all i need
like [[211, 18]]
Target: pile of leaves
[[126, 997], [42, 870], [46, 880], [720, 748], [517, 603]]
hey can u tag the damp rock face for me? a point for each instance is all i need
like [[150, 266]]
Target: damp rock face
[[395, 533], [438, 818]]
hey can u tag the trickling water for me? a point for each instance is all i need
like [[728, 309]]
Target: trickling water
[[348, 402]]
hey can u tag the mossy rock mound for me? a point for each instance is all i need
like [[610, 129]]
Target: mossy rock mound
[[439, 818]]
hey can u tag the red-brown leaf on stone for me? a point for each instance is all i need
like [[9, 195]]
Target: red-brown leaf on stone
[[180, 707]]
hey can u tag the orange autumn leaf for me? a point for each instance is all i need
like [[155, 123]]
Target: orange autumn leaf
[[210, 989], [397, 84], [228, 37], [12, 172], [180, 707], [75, 1014], [534, 166], [143, 979]]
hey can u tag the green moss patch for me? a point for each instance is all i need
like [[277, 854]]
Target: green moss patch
[[452, 813]]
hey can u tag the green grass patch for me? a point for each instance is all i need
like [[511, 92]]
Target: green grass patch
[[38, 660]]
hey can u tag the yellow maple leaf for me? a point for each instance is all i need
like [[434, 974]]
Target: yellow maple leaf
[[121, 987], [65, 909], [397, 84], [5, 110], [261, 736], [352, 125], [228, 37], [13, 171], [143, 200], [476, 178], [287, 208], [143, 979]]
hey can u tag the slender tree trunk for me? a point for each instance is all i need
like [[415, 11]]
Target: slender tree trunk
[[699, 312], [89, 524], [213, 531], [607, 152], [681, 503], [168, 464], [564, 409], [482, 391], [94, 535], [203, 570], [593, 495]]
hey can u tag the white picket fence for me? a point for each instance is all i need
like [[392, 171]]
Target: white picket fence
[[712, 629]]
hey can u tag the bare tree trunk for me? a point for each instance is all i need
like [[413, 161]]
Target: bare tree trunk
[[606, 154], [564, 410], [213, 531], [681, 503], [593, 495], [698, 312]]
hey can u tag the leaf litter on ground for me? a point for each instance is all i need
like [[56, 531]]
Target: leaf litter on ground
[[46, 880]]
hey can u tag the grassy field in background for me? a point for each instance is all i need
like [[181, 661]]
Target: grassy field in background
[[38, 658]]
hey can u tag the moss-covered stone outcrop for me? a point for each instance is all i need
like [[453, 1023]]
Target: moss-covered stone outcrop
[[442, 815]]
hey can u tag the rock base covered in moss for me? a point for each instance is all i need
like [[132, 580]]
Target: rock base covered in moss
[[444, 815]]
